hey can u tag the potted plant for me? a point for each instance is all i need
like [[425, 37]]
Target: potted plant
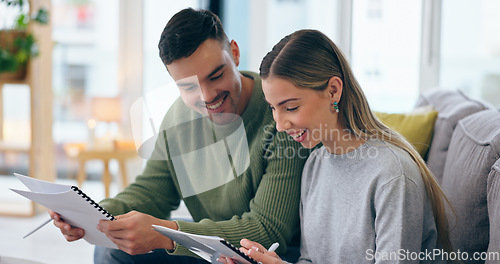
[[17, 45]]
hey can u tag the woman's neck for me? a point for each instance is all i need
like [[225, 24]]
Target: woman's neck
[[342, 141]]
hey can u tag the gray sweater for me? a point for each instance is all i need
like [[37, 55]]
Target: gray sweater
[[366, 206]]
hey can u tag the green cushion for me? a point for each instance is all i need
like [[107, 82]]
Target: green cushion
[[416, 126]]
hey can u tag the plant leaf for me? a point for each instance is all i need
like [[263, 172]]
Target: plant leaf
[[42, 16]]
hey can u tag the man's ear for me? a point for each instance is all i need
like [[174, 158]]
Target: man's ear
[[334, 89], [235, 52]]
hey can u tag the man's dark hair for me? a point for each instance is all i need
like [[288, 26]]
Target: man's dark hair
[[186, 31]]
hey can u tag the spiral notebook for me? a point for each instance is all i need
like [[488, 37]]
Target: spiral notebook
[[74, 206], [210, 248]]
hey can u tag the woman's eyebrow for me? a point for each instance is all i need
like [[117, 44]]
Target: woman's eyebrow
[[287, 100], [284, 101]]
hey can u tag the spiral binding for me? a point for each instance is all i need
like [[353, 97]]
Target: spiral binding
[[96, 205], [243, 255]]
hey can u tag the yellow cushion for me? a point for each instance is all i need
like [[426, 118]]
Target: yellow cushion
[[416, 126]]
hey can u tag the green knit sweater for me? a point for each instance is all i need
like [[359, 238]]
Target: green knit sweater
[[261, 203]]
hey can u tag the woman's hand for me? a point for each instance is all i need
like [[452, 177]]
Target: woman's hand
[[255, 251]]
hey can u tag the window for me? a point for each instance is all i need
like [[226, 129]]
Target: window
[[470, 48], [85, 65], [258, 25], [380, 38], [159, 90], [385, 52], [156, 16]]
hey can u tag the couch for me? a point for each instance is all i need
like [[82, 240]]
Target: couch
[[464, 155]]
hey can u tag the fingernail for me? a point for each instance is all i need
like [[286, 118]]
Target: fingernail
[[249, 252], [99, 227], [255, 248], [81, 233], [67, 227]]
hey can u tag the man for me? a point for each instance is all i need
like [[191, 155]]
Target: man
[[218, 150]]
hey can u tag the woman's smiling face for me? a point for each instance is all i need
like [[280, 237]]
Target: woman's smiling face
[[303, 113]]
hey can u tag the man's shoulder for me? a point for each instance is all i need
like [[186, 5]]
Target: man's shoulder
[[251, 74]]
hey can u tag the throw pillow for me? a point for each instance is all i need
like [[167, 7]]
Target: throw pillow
[[416, 126]]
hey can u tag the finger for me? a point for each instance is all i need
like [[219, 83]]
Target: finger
[[248, 244], [244, 250], [72, 231], [129, 246], [73, 234], [120, 234], [55, 216], [120, 243], [127, 215], [264, 258], [107, 225], [62, 225], [225, 260], [222, 260], [272, 254], [67, 228], [257, 249], [71, 238]]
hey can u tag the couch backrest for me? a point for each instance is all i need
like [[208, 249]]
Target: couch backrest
[[451, 106], [473, 149], [494, 210]]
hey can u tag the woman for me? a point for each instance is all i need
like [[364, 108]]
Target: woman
[[367, 195]]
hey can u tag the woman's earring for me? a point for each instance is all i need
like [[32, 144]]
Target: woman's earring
[[336, 106]]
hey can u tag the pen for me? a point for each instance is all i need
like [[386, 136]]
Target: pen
[[273, 247], [40, 226]]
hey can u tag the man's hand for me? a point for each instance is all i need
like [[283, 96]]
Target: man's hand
[[133, 234], [69, 232]]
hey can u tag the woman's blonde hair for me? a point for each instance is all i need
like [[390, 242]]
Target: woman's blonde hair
[[308, 59]]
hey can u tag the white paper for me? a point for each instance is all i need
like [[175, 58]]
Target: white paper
[[73, 208], [210, 248]]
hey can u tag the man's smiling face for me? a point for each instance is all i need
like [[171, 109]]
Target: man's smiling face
[[209, 81]]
